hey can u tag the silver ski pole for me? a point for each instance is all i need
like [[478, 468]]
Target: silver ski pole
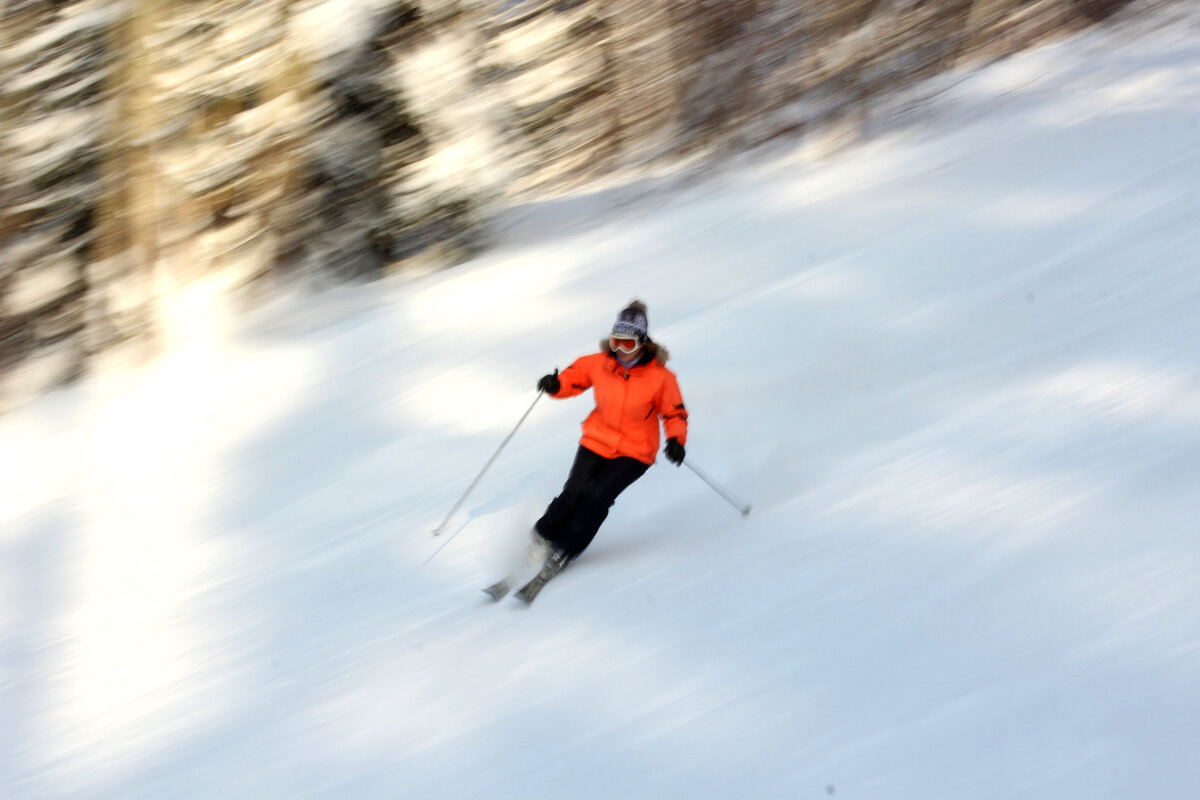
[[729, 498], [438, 530]]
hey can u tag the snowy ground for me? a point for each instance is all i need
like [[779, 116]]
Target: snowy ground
[[954, 370]]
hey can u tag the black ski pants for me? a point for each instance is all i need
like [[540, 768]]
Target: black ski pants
[[572, 518]]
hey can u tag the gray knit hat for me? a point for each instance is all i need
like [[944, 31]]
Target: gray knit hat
[[632, 321]]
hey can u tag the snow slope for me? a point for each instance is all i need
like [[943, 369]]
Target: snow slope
[[955, 371]]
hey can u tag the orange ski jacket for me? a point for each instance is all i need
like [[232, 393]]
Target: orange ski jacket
[[629, 403]]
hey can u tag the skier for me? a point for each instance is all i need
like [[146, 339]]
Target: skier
[[633, 391]]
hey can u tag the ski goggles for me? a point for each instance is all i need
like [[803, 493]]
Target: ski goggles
[[624, 344]]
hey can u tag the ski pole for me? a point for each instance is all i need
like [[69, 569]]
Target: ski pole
[[438, 530], [729, 498]]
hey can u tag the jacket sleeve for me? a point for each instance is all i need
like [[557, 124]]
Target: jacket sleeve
[[575, 379], [671, 408]]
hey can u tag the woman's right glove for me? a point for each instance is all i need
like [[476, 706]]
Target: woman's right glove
[[549, 383]]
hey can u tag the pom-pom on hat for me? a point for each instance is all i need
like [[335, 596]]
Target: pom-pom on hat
[[632, 321]]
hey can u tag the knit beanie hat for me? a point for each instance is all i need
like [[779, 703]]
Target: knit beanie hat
[[632, 321]]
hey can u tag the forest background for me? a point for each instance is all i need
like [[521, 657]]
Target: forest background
[[251, 143]]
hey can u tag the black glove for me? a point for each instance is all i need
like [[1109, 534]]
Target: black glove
[[674, 451], [549, 383]]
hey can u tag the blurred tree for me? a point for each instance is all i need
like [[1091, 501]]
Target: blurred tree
[[147, 145], [55, 60]]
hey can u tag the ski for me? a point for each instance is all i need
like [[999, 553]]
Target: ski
[[529, 591], [497, 591], [536, 553], [554, 564]]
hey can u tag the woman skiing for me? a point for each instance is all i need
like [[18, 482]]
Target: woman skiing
[[633, 390]]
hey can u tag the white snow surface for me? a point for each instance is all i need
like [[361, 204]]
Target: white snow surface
[[955, 371]]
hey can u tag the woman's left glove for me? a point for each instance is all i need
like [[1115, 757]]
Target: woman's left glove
[[674, 451]]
